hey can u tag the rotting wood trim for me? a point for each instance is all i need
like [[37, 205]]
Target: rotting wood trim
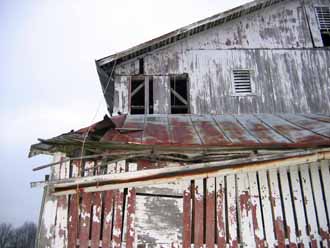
[[194, 171]]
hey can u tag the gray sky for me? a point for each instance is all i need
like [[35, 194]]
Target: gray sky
[[48, 80]]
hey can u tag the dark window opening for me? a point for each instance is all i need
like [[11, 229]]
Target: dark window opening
[[137, 96], [151, 95], [323, 17], [179, 95], [325, 38], [141, 66]]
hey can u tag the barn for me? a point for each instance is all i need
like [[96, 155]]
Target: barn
[[217, 134]]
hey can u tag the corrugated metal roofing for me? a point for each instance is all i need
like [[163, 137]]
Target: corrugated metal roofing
[[286, 130], [180, 133]]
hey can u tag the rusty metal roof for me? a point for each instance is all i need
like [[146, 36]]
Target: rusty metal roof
[[195, 132], [286, 130]]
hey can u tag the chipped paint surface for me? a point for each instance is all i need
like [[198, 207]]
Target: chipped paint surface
[[158, 219], [288, 74], [280, 44]]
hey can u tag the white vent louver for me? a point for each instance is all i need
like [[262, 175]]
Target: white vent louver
[[323, 16], [242, 82]]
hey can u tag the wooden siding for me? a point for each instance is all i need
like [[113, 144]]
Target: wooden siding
[[285, 80], [273, 207], [288, 73]]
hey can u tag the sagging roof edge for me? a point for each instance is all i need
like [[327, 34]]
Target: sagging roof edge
[[187, 31]]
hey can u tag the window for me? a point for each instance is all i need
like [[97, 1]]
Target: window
[[141, 95], [242, 82], [179, 94], [323, 17]]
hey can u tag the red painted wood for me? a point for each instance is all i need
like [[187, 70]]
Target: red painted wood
[[85, 219], [131, 203], [210, 213], [186, 242], [107, 219], [198, 215], [96, 219], [73, 222], [279, 231], [221, 227], [118, 219]]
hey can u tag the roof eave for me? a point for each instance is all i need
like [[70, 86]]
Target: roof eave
[[188, 31]]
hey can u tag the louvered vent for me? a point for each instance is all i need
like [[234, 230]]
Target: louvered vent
[[323, 16], [242, 82]]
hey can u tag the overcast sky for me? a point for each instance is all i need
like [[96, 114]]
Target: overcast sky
[[48, 80]]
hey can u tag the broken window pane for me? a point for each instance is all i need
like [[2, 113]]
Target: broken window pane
[[179, 94]]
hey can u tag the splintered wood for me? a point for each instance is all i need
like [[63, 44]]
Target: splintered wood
[[279, 207]]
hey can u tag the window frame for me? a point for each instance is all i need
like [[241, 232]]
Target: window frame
[[147, 85], [182, 76], [322, 30]]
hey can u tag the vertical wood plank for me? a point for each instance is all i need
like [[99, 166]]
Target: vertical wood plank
[[256, 210], [186, 242], [96, 219], [61, 226], [118, 210], [288, 210], [298, 206], [199, 214], [108, 211], [61, 222], [85, 216], [146, 94], [325, 181], [129, 224], [267, 209], [73, 220], [118, 218], [309, 204], [277, 208], [130, 233], [162, 100], [245, 213], [232, 211], [319, 202], [107, 218], [97, 212], [210, 212], [220, 211], [85, 213]]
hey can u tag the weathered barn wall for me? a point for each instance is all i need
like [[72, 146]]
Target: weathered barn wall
[[289, 75], [286, 80]]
